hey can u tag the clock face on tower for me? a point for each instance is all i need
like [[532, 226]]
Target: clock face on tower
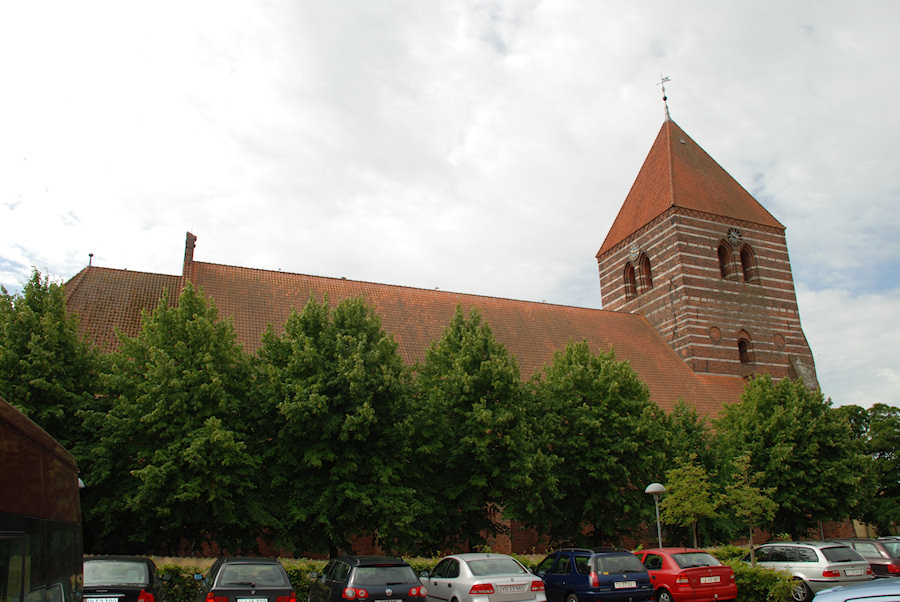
[[634, 252], [734, 236]]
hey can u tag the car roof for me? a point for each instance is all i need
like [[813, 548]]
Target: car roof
[[373, 560], [592, 550], [121, 558], [673, 551], [814, 544], [249, 560], [876, 587], [478, 555]]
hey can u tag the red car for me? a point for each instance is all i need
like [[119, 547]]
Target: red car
[[688, 575]]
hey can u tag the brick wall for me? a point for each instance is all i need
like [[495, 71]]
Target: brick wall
[[700, 313]]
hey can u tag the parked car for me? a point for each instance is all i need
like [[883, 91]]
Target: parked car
[[482, 578], [584, 575], [121, 579], [814, 565], [879, 590], [376, 578], [245, 580], [883, 554], [687, 574]]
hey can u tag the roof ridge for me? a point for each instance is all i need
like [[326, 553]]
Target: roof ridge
[[670, 123]]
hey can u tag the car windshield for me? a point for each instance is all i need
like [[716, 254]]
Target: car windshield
[[841, 554], [495, 566], [625, 563], [692, 559], [115, 572], [384, 575], [252, 574]]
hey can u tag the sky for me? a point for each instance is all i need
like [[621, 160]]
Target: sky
[[481, 147]]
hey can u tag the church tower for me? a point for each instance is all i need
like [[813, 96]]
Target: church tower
[[706, 265]]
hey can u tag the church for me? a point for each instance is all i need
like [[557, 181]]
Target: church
[[695, 283]]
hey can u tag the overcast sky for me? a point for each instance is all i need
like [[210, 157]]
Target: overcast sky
[[482, 147]]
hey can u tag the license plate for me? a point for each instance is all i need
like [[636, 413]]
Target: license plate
[[625, 584], [709, 579], [252, 600], [390, 600], [509, 589], [849, 572], [101, 599]]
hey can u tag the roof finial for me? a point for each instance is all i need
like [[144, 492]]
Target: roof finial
[[662, 82]]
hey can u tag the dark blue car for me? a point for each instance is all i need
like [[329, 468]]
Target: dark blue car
[[602, 574]]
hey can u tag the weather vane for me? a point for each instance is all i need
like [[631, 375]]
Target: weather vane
[[662, 82]]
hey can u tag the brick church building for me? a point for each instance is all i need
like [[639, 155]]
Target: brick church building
[[695, 281]]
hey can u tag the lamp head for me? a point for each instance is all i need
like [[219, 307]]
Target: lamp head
[[655, 489]]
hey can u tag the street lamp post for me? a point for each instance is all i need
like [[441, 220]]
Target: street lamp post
[[656, 489]]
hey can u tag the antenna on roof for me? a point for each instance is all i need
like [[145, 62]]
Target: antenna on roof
[[90, 259], [662, 82]]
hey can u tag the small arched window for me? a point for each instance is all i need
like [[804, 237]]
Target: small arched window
[[745, 351], [630, 282], [646, 275], [748, 264], [724, 252]]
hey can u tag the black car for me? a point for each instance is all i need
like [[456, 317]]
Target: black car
[[121, 579], [368, 579], [594, 575], [245, 580]]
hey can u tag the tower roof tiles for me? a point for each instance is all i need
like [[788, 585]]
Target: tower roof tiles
[[679, 173]]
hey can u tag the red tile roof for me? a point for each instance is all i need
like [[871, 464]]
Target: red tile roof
[[106, 299], [678, 173]]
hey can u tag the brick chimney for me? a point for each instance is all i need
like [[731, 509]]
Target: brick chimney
[[187, 270]]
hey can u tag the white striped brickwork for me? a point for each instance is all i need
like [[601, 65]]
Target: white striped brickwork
[[699, 313]]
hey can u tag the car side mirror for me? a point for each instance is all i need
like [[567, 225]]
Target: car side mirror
[[426, 573], [314, 575], [198, 577]]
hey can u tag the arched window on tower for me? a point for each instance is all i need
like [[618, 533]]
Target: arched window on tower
[[748, 264], [724, 252], [745, 349], [646, 274], [630, 283]]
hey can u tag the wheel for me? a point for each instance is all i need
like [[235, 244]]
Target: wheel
[[663, 595], [571, 598], [801, 592]]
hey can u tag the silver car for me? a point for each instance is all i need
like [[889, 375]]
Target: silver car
[[482, 578], [814, 565]]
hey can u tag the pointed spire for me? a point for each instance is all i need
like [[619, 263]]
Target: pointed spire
[[662, 82], [678, 173]]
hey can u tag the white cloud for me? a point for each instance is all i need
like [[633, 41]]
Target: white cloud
[[852, 335]]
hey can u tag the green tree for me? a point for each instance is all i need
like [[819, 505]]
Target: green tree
[[337, 392], [749, 504], [470, 430], [176, 462], [601, 428], [802, 447], [689, 435], [882, 444], [47, 369], [689, 496]]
